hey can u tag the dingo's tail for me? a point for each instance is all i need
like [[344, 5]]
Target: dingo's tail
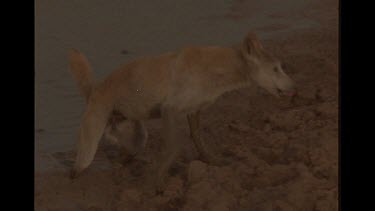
[[81, 71]]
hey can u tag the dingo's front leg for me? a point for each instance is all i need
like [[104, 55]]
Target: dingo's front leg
[[170, 148], [140, 136], [204, 154], [131, 146]]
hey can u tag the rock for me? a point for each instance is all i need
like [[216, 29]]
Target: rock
[[223, 174], [327, 202], [286, 121], [327, 109], [190, 207], [220, 207], [223, 202], [131, 195], [197, 171], [278, 139], [244, 170], [279, 205], [238, 126], [267, 127], [308, 115], [94, 208], [201, 193], [174, 187], [324, 94]]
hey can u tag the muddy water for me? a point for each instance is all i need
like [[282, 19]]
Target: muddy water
[[103, 29]]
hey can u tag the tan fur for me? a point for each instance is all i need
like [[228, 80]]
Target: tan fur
[[168, 85]]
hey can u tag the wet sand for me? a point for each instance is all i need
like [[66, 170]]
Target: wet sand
[[286, 152]]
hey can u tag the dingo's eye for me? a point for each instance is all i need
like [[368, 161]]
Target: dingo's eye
[[275, 69]]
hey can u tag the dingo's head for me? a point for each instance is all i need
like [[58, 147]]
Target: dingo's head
[[266, 70]]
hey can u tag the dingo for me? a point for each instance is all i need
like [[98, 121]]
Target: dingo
[[168, 85]]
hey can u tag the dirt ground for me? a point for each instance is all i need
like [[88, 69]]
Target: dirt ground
[[284, 152]]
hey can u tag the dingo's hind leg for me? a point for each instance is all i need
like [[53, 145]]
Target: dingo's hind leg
[[204, 154], [138, 142], [170, 147]]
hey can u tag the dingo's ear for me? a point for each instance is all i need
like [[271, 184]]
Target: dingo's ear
[[252, 45]]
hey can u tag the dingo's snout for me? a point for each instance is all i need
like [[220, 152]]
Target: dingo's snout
[[285, 86], [291, 92]]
